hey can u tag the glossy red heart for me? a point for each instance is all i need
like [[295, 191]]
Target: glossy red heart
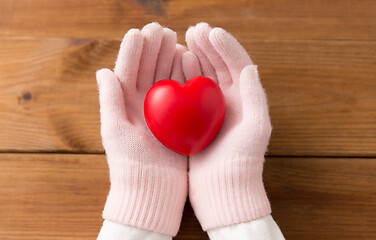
[[185, 118]]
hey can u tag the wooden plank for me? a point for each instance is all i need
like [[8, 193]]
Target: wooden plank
[[321, 94], [323, 198], [61, 196], [321, 19], [46, 82], [51, 196]]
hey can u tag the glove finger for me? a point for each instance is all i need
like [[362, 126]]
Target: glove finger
[[177, 68], [111, 99], [191, 65], [202, 31], [127, 63], [166, 55], [153, 34], [207, 68], [253, 96], [233, 54]]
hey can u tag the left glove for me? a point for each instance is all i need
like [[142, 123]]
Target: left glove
[[225, 179]]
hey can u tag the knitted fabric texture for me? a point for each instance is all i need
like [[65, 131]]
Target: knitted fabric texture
[[148, 181], [225, 179]]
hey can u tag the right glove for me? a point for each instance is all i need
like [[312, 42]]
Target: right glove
[[148, 181]]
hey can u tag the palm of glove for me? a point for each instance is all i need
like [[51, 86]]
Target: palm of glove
[[130, 136], [246, 129], [241, 135], [145, 56]]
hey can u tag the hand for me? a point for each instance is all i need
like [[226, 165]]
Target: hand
[[148, 181], [225, 179]]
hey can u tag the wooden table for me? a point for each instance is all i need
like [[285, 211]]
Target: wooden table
[[317, 63]]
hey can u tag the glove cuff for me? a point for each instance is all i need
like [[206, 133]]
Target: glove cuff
[[147, 197], [229, 193]]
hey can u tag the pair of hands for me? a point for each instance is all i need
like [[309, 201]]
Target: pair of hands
[[148, 181]]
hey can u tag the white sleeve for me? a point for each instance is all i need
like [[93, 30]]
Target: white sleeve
[[261, 229], [116, 231]]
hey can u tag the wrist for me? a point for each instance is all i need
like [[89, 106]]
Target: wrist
[[231, 192], [261, 229], [147, 197], [116, 231]]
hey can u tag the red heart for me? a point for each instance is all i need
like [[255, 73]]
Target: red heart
[[185, 118]]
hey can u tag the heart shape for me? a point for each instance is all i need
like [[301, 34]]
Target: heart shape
[[185, 118]]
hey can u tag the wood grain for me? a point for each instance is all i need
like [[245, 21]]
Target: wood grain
[[60, 196], [317, 63], [321, 95], [250, 19]]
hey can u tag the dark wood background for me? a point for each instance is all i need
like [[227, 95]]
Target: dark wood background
[[317, 64]]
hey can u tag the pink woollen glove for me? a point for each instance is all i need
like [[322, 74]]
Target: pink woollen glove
[[148, 181], [225, 179]]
